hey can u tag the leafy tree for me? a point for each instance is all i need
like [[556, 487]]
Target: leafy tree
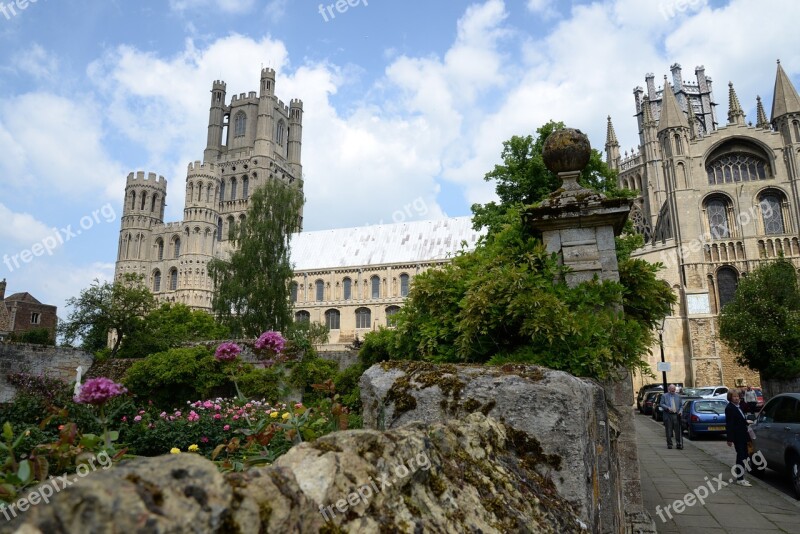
[[252, 287], [762, 322], [170, 326], [35, 336], [103, 307], [523, 178]]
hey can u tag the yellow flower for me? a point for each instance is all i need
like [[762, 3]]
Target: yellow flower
[[193, 448], [285, 416], [174, 450], [274, 415]]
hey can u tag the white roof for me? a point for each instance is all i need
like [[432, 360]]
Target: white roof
[[406, 242]]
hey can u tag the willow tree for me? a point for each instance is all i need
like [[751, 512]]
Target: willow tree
[[252, 286]]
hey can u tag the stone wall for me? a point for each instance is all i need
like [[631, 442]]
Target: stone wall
[[57, 362]]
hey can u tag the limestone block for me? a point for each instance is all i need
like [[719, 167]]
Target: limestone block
[[578, 235], [580, 253]]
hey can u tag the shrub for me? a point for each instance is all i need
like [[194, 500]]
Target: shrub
[[347, 386], [268, 384], [311, 370]]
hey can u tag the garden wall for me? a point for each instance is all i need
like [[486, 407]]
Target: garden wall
[[56, 362]]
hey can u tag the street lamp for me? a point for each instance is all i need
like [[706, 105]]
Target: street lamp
[[661, 343]]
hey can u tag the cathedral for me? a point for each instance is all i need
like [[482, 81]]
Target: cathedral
[[713, 202]]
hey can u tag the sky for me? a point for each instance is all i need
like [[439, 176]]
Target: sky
[[406, 103]]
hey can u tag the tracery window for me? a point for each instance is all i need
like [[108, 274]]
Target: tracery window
[[173, 279], [157, 281], [727, 281], [771, 214], [717, 214], [302, 317], [737, 167], [363, 318], [240, 124]]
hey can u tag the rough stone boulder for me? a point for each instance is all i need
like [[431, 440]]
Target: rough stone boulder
[[568, 418], [471, 475]]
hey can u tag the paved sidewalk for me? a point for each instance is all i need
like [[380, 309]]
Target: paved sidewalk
[[669, 475]]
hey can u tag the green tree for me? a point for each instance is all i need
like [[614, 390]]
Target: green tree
[[523, 179], [170, 326], [103, 307], [762, 322], [252, 287]]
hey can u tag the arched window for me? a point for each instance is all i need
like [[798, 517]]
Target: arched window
[[208, 193], [160, 245], [233, 188], [737, 167], [404, 285], [302, 317], [293, 291], [347, 289], [771, 213], [240, 124], [279, 133], [222, 191], [319, 285], [375, 282], [363, 318], [199, 191], [717, 215], [144, 201], [153, 204], [219, 229], [133, 199], [231, 227], [156, 281], [727, 281], [332, 319], [173, 279], [678, 145], [391, 311], [796, 131], [245, 186], [177, 247]]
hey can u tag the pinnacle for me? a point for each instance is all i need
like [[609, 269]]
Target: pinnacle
[[735, 113], [611, 135], [761, 115], [672, 115], [785, 99]]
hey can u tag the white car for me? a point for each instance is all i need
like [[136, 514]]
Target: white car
[[707, 392]]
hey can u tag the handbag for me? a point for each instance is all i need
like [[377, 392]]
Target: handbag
[[751, 449]]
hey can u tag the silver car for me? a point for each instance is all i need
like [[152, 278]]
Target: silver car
[[777, 431]]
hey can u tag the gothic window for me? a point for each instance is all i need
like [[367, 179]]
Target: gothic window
[[219, 229], [160, 245], [796, 131], [319, 285], [737, 167], [375, 282], [717, 214], [233, 188], [347, 289], [771, 213], [332, 319], [133, 199], [403, 285], [239, 125], [363, 318], [208, 193], [231, 227], [302, 317], [279, 133], [199, 192], [156, 281], [641, 225], [727, 281], [391, 312], [144, 201], [245, 186], [173, 279], [222, 191], [176, 247], [678, 145], [153, 204], [293, 291]]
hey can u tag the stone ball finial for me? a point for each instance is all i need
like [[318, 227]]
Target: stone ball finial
[[566, 150]]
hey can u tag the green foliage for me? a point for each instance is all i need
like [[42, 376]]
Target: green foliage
[[346, 383], [762, 322], [170, 326], [302, 338], [310, 370], [377, 347], [103, 307], [171, 377], [36, 336], [267, 384], [252, 287]]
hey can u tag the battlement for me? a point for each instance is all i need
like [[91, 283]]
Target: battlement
[[243, 96], [219, 84], [268, 73], [283, 106], [152, 179], [202, 168], [296, 103]]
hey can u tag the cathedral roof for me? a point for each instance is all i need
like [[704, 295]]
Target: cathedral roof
[[407, 242], [672, 115], [785, 99]]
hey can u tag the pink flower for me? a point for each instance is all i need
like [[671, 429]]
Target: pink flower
[[141, 412], [298, 405], [217, 416], [217, 407], [124, 418], [204, 439], [98, 391], [235, 417], [227, 352], [271, 341], [193, 416], [137, 418], [163, 414], [226, 427], [177, 414], [208, 404]]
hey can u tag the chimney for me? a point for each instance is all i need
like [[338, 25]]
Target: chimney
[[3, 290]]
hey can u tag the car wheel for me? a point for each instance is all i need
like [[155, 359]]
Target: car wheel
[[692, 434], [794, 473]]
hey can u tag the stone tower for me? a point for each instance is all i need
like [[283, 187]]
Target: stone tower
[[251, 139]]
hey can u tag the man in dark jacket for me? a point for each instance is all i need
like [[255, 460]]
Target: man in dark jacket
[[736, 430]]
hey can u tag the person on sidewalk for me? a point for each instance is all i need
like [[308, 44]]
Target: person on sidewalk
[[751, 399], [671, 405], [736, 430]]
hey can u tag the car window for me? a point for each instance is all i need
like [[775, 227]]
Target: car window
[[700, 392], [710, 407], [785, 411], [721, 391], [768, 413], [792, 414]]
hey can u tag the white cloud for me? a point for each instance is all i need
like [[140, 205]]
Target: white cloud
[[21, 228], [35, 61], [226, 6]]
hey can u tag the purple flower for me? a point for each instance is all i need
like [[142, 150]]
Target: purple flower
[[271, 341], [98, 391], [227, 352]]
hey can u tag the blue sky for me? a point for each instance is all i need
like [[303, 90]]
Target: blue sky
[[407, 103]]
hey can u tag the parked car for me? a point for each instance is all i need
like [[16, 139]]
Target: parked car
[[703, 417], [643, 391], [647, 403], [777, 430], [707, 392], [760, 401], [658, 412]]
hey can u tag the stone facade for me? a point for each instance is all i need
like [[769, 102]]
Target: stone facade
[[55, 362], [714, 202], [22, 312]]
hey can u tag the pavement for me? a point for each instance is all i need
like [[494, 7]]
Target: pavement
[[672, 475]]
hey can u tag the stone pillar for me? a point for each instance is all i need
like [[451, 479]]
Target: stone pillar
[[579, 225]]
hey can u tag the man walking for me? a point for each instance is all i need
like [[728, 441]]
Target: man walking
[[751, 399], [736, 430], [671, 405]]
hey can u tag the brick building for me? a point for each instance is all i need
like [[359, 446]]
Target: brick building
[[22, 312]]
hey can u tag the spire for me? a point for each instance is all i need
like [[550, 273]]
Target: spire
[[761, 116], [735, 113], [611, 136], [647, 113], [785, 99], [692, 121], [671, 113], [612, 146]]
